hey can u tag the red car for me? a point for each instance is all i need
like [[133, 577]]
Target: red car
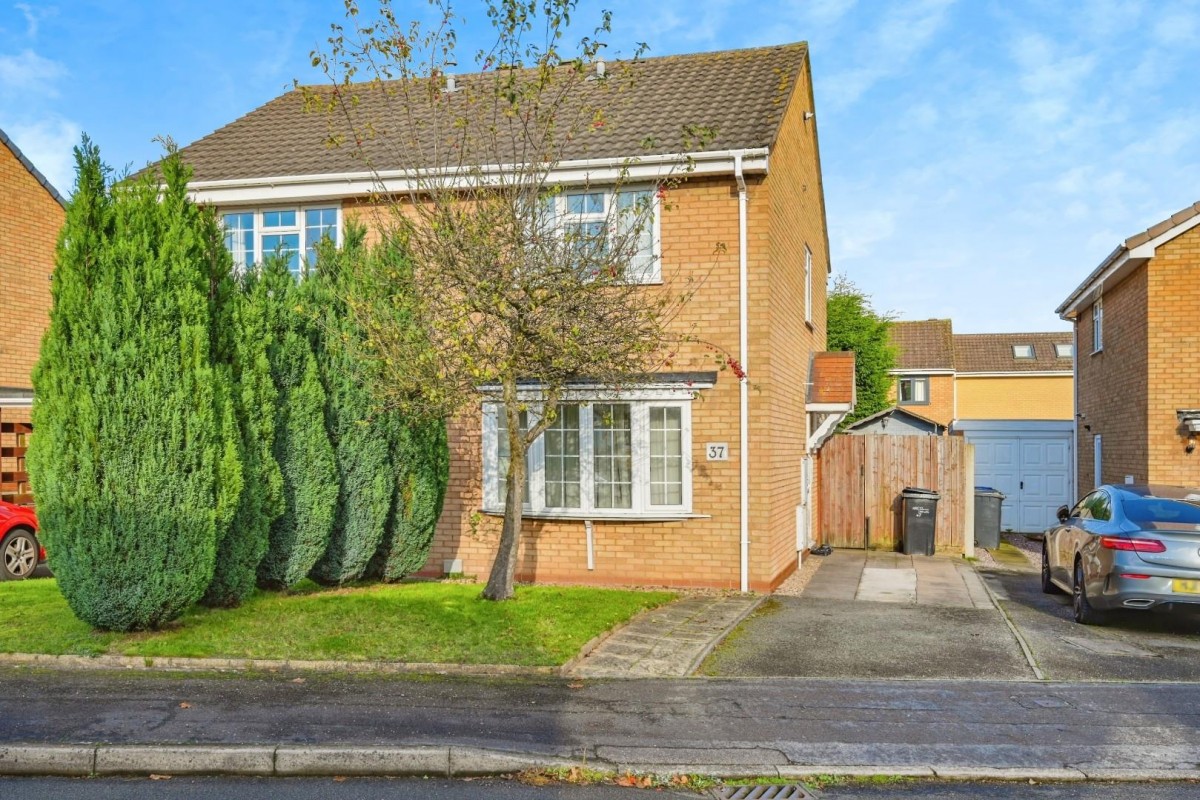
[[20, 552]]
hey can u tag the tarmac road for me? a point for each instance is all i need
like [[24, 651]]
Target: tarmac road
[[754, 725]]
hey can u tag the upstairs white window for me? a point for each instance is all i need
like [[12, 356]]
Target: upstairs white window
[[621, 459], [252, 236], [807, 284], [598, 220], [1022, 351], [1063, 350], [1098, 325]]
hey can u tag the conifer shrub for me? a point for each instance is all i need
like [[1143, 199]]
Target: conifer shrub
[[132, 427], [421, 458], [243, 337], [357, 428], [300, 535]]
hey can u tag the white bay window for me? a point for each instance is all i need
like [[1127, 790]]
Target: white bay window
[[624, 457]]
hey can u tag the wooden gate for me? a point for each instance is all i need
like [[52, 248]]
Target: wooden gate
[[861, 481]]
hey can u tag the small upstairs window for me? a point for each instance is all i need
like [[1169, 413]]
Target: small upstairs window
[[1098, 325], [1022, 351], [1064, 350]]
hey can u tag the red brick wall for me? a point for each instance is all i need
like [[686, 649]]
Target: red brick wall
[[30, 219]]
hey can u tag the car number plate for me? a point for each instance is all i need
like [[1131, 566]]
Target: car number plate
[[1185, 587]]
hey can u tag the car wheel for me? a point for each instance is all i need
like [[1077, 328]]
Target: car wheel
[[1048, 586], [1084, 613], [18, 556]]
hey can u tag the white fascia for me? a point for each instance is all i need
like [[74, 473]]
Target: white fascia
[[828, 425], [922, 372], [1113, 269], [590, 393], [305, 188], [1062, 373]]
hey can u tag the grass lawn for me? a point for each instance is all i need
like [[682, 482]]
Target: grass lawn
[[414, 622]]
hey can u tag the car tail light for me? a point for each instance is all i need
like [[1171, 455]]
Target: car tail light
[[1134, 575], [1137, 545]]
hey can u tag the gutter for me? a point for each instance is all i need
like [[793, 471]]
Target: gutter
[[334, 185], [743, 384]]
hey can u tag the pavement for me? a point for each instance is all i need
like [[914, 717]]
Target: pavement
[[669, 641]]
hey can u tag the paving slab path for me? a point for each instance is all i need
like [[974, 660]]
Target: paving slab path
[[666, 642], [887, 577]]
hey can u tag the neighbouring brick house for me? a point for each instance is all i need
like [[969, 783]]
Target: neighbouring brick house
[[732, 511], [31, 214], [1010, 395], [1137, 333]]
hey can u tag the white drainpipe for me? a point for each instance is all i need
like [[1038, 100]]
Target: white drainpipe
[[743, 356]]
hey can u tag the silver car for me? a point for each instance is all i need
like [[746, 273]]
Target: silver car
[[1126, 547]]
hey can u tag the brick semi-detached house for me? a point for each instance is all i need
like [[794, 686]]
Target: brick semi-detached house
[[1010, 395], [1137, 333], [747, 226], [31, 214]]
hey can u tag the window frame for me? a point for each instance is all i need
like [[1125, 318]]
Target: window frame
[[900, 401], [1032, 353], [808, 262], [609, 216], [1058, 350], [641, 507], [299, 228], [1098, 325]]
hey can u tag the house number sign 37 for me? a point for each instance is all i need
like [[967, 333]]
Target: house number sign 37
[[717, 451]]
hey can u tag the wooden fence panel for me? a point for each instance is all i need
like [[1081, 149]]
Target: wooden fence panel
[[861, 478]]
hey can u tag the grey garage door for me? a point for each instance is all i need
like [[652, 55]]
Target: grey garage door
[[1031, 467]]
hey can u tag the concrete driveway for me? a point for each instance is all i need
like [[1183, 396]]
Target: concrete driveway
[[884, 615]]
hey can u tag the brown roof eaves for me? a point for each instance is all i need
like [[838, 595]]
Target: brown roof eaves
[[923, 344], [742, 94], [1133, 242], [992, 353]]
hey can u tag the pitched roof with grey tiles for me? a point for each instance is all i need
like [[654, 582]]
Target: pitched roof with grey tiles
[[648, 106], [897, 411], [25, 162], [993, 352], [923, 344]]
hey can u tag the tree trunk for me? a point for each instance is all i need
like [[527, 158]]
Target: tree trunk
[[500, 582]]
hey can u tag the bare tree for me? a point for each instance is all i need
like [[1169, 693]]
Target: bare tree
[[504, 277]]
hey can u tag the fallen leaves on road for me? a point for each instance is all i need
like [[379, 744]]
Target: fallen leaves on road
[[157, 777], [636, 781], [185, 704]]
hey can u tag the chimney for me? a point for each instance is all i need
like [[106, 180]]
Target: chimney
[[599, 68]]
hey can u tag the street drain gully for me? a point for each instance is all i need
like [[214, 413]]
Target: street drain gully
[[787, 792]]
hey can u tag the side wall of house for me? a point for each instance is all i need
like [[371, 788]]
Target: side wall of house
[[782, 339], [1113, 385], [30, 219], [1173, 340], [1016, 397]]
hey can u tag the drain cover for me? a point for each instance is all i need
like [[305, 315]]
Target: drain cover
[[790, 791]]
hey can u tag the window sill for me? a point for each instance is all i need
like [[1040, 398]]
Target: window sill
[[1098, 351], [594, 516]]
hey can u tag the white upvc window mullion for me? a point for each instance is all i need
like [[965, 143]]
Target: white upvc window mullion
[[640, 421]]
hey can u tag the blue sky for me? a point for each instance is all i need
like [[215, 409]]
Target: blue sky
[[980, 157]]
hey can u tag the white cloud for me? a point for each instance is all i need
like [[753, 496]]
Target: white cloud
[[903, 33], [48, 144], [34, 16], [858, 234], [27, 71]]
